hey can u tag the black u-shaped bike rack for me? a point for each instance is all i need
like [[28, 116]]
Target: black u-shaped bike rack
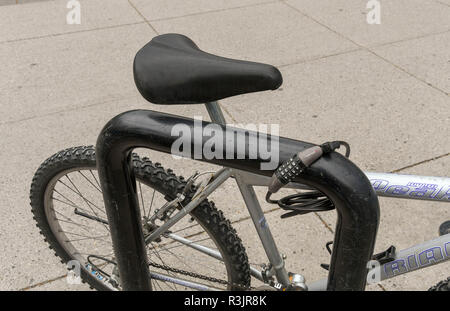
[[337, 177]]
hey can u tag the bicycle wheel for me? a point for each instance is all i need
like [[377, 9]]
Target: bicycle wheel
[[68, 207], [442, 286]]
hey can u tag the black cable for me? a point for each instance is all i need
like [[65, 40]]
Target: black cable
[[305, 202], [333, 145], [101, 258]]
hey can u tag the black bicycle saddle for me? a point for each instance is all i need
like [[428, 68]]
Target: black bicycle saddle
[[171, 69]]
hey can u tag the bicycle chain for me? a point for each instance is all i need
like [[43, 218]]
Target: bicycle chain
[[200, 276]]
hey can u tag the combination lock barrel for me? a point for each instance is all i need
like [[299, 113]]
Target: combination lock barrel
[[291, 168]]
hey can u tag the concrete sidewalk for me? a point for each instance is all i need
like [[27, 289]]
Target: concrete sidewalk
[[383, 88]]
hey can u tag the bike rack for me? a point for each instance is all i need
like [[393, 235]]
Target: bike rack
[[343, 182]]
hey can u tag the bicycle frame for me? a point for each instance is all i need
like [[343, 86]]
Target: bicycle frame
[[417, 257], [400, 186], [349, 188]]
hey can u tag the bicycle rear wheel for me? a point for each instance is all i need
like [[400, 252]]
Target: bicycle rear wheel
[[67, 204], [442, 286]]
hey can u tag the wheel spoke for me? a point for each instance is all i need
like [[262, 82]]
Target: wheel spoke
[[88, 203], [142, 197], [188, 266], [97, 238], [78, 219], [90, 182], [162, 261], [188, 227], [98, 184], [151, 203], [69, 220]]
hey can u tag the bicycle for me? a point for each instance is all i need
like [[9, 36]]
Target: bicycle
[[159, 234]]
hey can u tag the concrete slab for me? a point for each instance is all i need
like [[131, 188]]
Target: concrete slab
[[400, 20], [288, 38], [39, 19], [426, 58], [358, 98], [163, 9], [7, 2], [64, 72], [445, 2], [28, 1]]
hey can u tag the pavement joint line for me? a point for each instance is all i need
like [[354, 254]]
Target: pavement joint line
[[320, 23], [409, 39], [324, 222], [443, 3], [32, 1], [64, 111], [408, 73], [71, 32], [143, 17], [43, 283], [367, 49], [228, 113], [213, 11], [421, 162], [313, 59]]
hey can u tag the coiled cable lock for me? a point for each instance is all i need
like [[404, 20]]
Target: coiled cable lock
[[305, 202]]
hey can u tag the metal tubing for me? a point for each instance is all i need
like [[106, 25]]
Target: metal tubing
[[262, 227], [411, 186], [118, 184], [416, 257], [210, 252], [201, 248], [400, 186], [119, 193], [219, 179], [424, 255], [182, 282], [333, 174], [215, 113], [254, 208]]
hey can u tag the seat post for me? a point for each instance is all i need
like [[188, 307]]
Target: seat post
[[254, 208], [215, 112]]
